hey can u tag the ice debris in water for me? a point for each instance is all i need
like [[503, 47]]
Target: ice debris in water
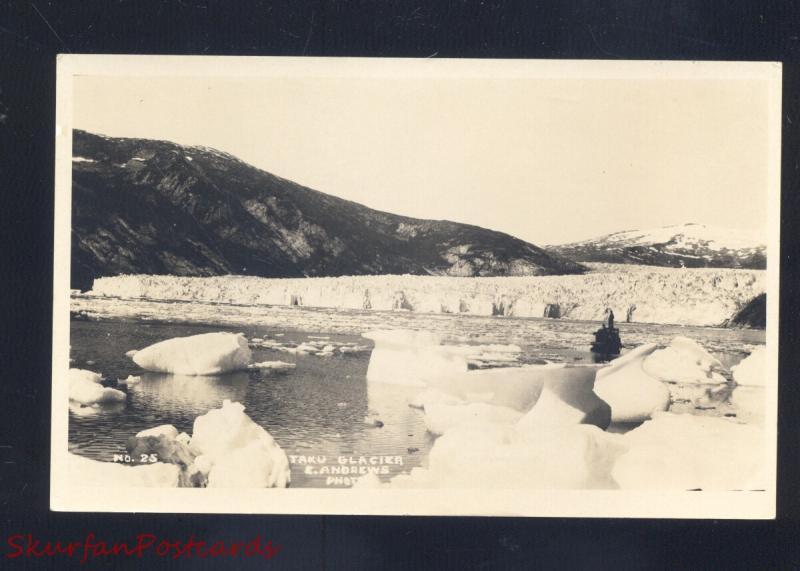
[[85, 389], [205, 354], [226, 449], [129, 380], [273, 365]]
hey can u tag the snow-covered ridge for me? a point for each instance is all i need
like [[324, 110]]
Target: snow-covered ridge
[[636, 293], [685, 236]]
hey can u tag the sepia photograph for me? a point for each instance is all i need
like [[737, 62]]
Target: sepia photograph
[[436, 287]]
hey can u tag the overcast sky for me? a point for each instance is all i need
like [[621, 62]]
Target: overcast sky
[[546, 160]]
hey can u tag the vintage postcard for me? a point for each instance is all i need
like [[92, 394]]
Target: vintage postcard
[[445, 287]]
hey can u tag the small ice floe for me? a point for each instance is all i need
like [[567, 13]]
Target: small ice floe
[[90, 362], [273, 365], [167, 430], [78, 159], [346, 349], [372, 420], [256, 341], [341, 404], [205, 354], [130, 380], [319, 337], [85, 389], [131, 353]]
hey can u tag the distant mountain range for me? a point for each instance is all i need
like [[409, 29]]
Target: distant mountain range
[[155, 207], [686, 245]]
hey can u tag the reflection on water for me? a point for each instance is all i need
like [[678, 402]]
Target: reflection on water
[[173, 394], [324, 407]]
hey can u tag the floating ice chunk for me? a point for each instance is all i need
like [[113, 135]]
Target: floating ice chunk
[[166, 430], [205, 354], [632, 394], [752, 370], [410, 358], [439, 418], [91, 473], [489, 455], [129, 380], [273, 365], [85, 389], [238, 452], [686, 452], [568, 400], [684, 361], [131, 353], [354, 348]]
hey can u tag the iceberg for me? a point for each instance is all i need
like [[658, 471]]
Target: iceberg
[[410, 358], [85, 389], [490, 455], [752, 370], [440, 418], [234, 451], [632, 393], [686, 452], [91, 473], [205, 354], [684, 361], [566, 400]]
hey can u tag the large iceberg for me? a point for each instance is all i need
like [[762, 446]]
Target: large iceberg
[[411, 358], [684, 361], [490, 455], [234, 451], [85, 389], [687, 452], [631, 392], [205, 354]]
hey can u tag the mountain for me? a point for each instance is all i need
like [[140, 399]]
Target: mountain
[[690, 245], [155, 207]]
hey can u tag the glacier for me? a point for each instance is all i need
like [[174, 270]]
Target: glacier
[[645, 294]]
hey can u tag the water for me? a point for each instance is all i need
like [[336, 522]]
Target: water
[[318, 409]]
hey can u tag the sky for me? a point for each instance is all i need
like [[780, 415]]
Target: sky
[[547, 160]]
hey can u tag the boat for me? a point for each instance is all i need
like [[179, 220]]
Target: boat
[[607, 344]]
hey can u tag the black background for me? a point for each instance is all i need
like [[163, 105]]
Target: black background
[[32, 33]]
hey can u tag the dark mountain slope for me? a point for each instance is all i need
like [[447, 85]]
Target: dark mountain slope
[[142, 206]]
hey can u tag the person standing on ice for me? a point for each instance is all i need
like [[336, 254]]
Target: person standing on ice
[[608, 318]]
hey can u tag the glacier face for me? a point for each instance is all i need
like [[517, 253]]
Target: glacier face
[[644, 294]]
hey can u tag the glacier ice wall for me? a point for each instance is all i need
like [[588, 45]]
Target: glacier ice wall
[[644, 294]]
